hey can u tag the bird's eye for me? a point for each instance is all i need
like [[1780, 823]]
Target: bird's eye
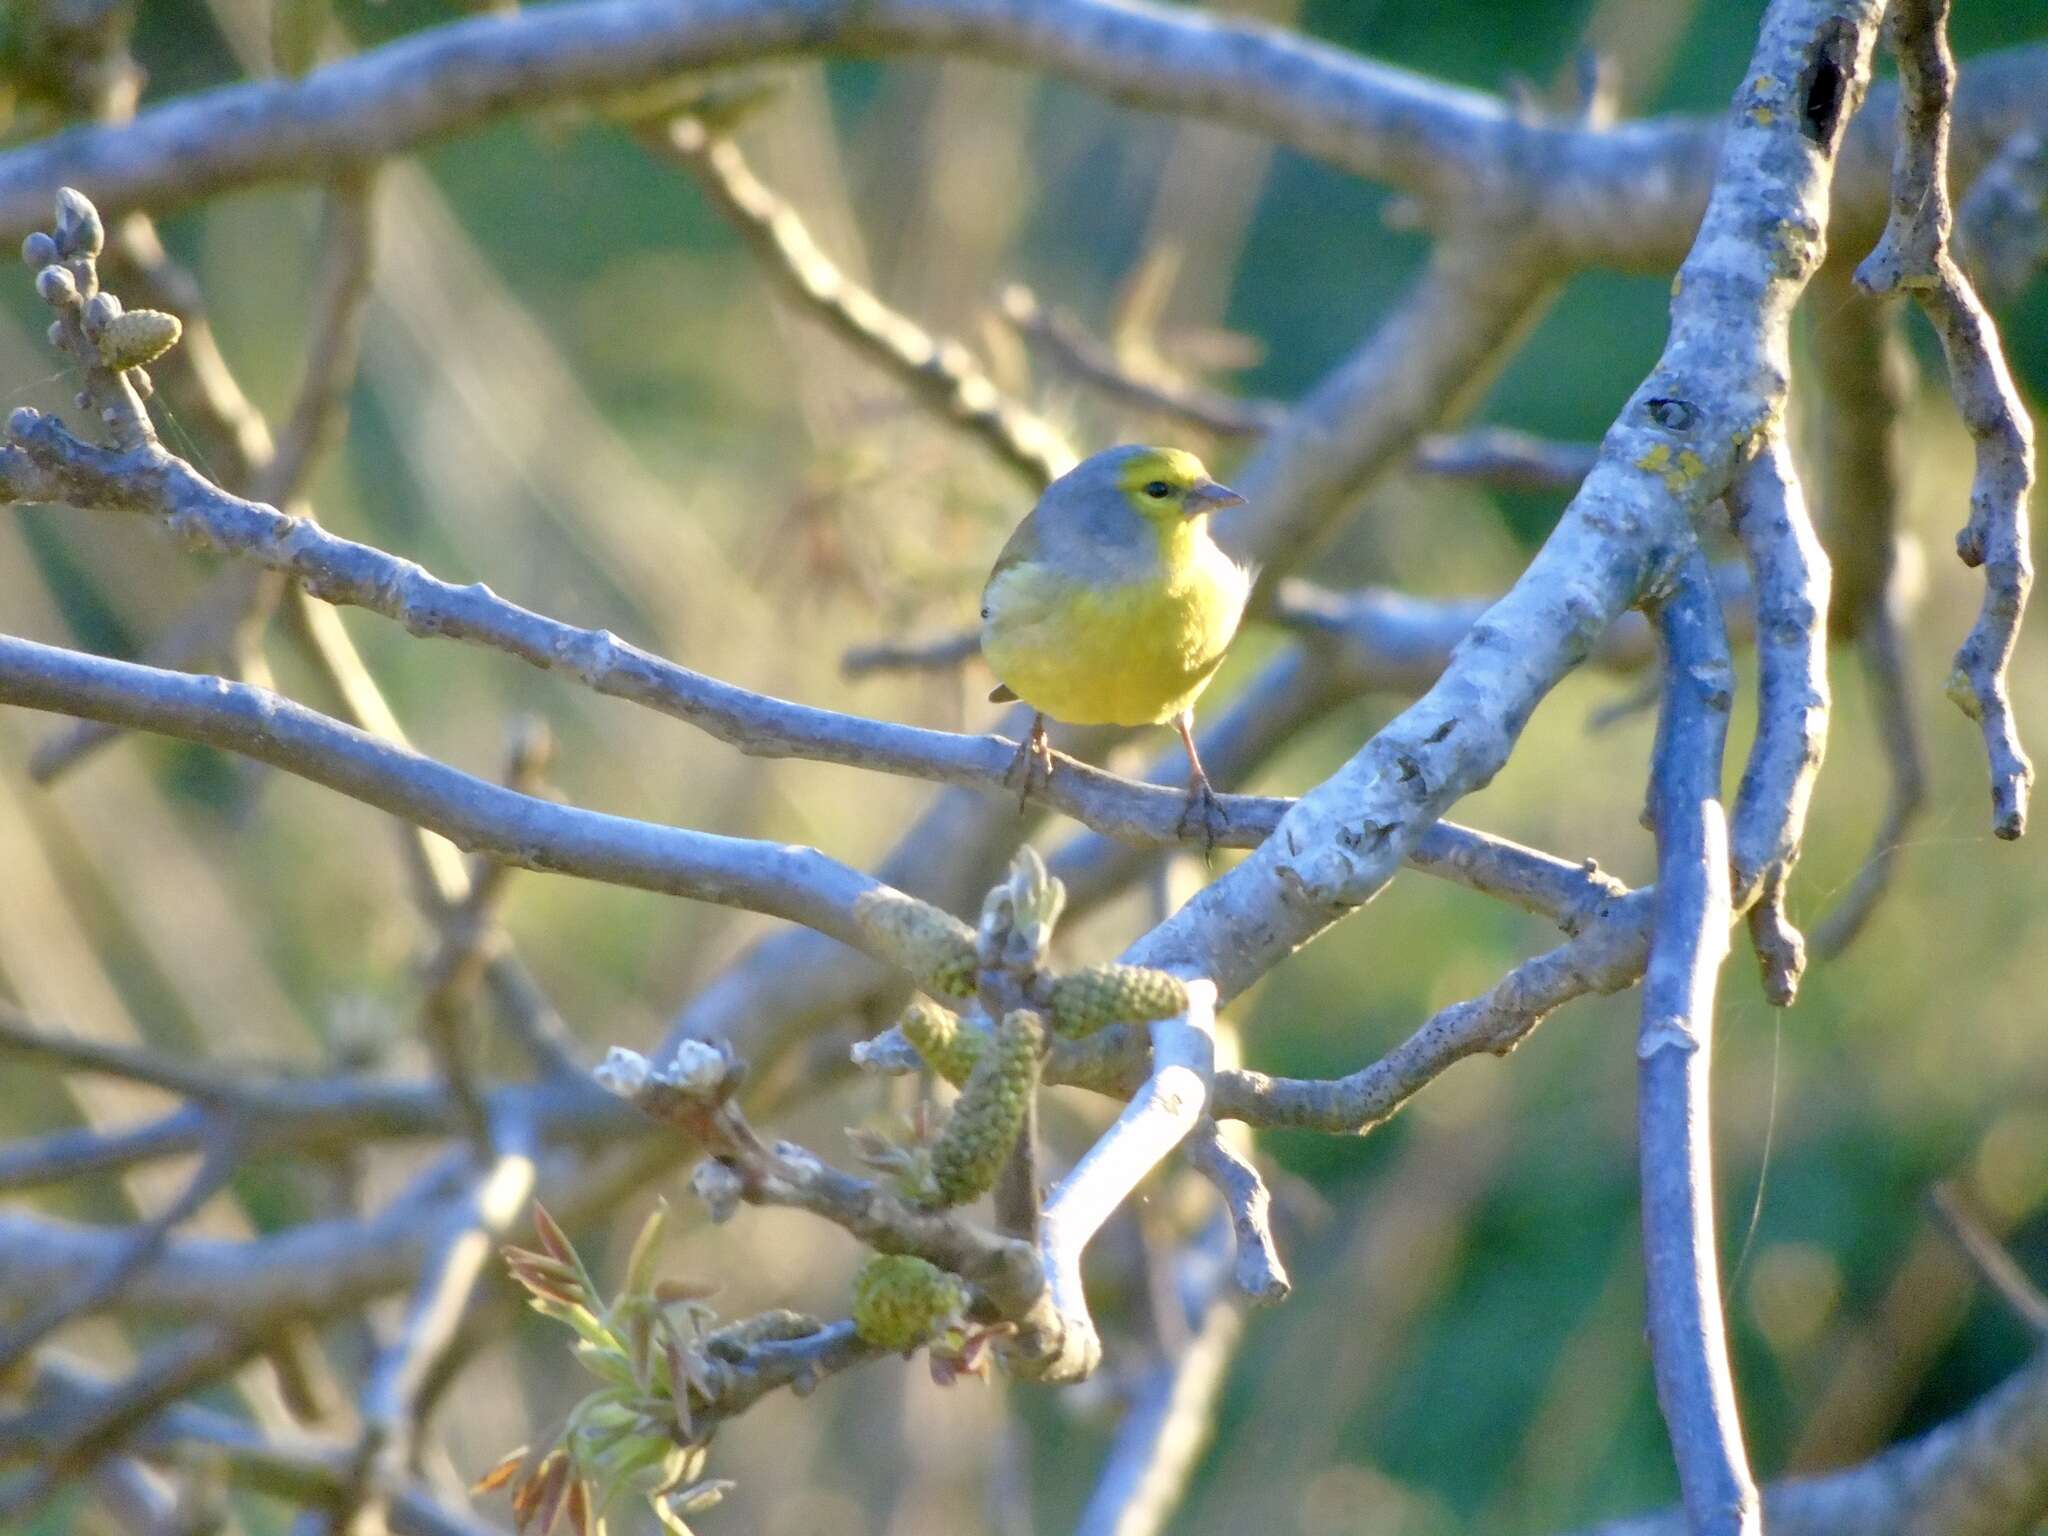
[[1159, 490]]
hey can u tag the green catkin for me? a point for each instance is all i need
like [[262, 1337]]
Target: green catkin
[[1088, 1000], [137, 337], [986, 1117], [936, 948], [899, 1301], [948, 1047]]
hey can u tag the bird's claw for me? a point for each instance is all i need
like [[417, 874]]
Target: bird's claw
[[1203, 804], [1031, 767]]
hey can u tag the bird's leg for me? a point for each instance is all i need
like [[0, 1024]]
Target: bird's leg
[[1201, 797], [1032, 762]]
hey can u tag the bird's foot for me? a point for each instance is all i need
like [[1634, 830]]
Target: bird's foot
[[1032, 766], [1205, 809]]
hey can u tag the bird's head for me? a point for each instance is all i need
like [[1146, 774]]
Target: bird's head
[[1163, 485], [1130, 503]]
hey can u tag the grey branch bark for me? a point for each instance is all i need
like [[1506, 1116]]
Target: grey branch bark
[[1627, 195], [1914, 256], [1709, 402], [1983, 1473], [1791, 575], [938, 372], [1688, 941], [797, 883]]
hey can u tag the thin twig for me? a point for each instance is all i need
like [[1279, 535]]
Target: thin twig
[[170, 1370], [693, 1095], [939, 372], [946, 654], [1260, 1273], [1608, 955], [1689, 939], [1076, 351], [22, 1036], [1791, 579], [1993, 1262], [1172, 1411], [386, 1448], [1914, 256]]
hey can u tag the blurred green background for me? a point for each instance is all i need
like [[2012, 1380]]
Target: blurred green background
[[576, 386]]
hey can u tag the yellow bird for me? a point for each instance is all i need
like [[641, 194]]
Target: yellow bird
[[1112, 605]]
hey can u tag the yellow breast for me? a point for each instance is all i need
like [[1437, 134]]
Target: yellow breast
[[1131, 654]]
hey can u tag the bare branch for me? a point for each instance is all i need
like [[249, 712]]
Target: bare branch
[[1689, 939], [1607, 955], [943, 655], [1260, 1274], [938, 372], [1628, 195], [1075, 350], [1674, 449], [1161, 1113], [1983, 1473], [2002, 226], [386, 1452], [801, 884], [1172, 1411], [1506, 460], [1386, 640], [1914, 255], [312, 1472], [449, 80], [1791, 576], [1990, 1257]]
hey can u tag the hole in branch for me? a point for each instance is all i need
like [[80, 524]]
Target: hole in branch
[[1824, 89]]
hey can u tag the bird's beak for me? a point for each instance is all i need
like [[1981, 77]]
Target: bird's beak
[[1210, 497]]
